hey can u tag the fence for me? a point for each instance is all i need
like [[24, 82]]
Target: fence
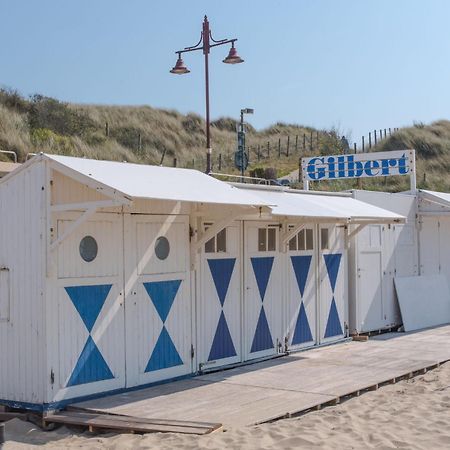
[[288, 145]]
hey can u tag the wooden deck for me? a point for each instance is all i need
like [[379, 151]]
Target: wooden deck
[[286, 386]]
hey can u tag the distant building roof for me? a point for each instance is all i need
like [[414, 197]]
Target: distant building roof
[[7, 167]]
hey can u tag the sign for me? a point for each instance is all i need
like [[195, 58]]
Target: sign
[[359, 165], [240, 157], [241, 160]]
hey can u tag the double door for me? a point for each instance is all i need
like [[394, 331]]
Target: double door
[[124, 303]]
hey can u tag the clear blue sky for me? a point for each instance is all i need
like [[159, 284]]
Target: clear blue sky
[[356, 65]]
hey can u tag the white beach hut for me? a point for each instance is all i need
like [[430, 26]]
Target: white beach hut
[[115, 276], [379, 253]]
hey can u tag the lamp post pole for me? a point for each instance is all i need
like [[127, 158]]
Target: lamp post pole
[[206, 33], [205, 45]]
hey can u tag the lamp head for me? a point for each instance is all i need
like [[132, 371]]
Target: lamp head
[[179, 68], [233, 57]]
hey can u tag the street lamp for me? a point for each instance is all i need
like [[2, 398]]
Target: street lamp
[[180, 68]]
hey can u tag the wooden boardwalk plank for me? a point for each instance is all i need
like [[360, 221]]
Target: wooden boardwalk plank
[[285, 386], [128, 423]]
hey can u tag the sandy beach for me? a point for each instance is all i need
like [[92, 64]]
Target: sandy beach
[[412, 414]]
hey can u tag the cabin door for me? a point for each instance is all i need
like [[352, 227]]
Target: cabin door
[[263, 294], [158, 302], [90, 306], [219, 308], [332, 287], [301, 298]]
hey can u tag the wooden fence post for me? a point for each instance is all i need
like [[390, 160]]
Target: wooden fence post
[[287, 148], [139, 142], [107, 129], [370, 140], [354, 147], [259, 152], [311, 142], [296, 144], [268, 149], [174, 162], [362, 144], [220, 162], [304, 141], [279, 147], [375, 135], [317, 139]]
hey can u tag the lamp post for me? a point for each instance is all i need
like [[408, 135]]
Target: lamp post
[[205, 43]]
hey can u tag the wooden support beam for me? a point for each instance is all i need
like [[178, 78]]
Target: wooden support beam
[[286, 237], [60, 207], [85, 216], [215, 228]]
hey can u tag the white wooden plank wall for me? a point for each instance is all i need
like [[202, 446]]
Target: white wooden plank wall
[[22, 250]]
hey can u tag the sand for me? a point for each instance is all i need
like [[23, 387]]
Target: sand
[[412, 414]]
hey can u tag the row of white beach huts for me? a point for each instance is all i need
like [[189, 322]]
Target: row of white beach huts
[[115, 275]]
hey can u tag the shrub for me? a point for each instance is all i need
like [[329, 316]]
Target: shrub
[[46, 112], [13, 100]]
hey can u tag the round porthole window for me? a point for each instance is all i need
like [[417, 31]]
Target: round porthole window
[[88, 248], [162, 248]]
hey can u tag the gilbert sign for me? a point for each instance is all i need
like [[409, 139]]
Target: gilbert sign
[[359, 165]]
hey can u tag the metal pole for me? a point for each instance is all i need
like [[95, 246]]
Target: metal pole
[[243, 146], [206, 52]]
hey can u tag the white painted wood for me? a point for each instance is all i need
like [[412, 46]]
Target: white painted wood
[[273, 299], [143, 323], [424, 301], [373, 303], [23, 373], [126, 180], [329, 207], [209, 308], [68, 329], [73, 226], [429, 246], [294, 298], [336, 246], [5, 294]]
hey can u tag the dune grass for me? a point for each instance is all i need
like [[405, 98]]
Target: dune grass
[[143, 134]]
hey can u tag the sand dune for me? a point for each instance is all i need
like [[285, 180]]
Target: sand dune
[[413, 414]]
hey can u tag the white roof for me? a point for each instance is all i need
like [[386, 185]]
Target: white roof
[[313, 206], [442, 198], [155, 182]]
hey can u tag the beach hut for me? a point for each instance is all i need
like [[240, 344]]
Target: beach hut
[[434, 233], [379, 253], [115, 276], [308, 257]]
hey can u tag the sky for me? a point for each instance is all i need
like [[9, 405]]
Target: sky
[[349, 64]]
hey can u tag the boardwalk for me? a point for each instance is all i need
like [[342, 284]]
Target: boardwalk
[[288, 385]]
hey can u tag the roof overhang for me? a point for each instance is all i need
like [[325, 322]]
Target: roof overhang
[[126, 182], [441, 199], [311, 207]]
